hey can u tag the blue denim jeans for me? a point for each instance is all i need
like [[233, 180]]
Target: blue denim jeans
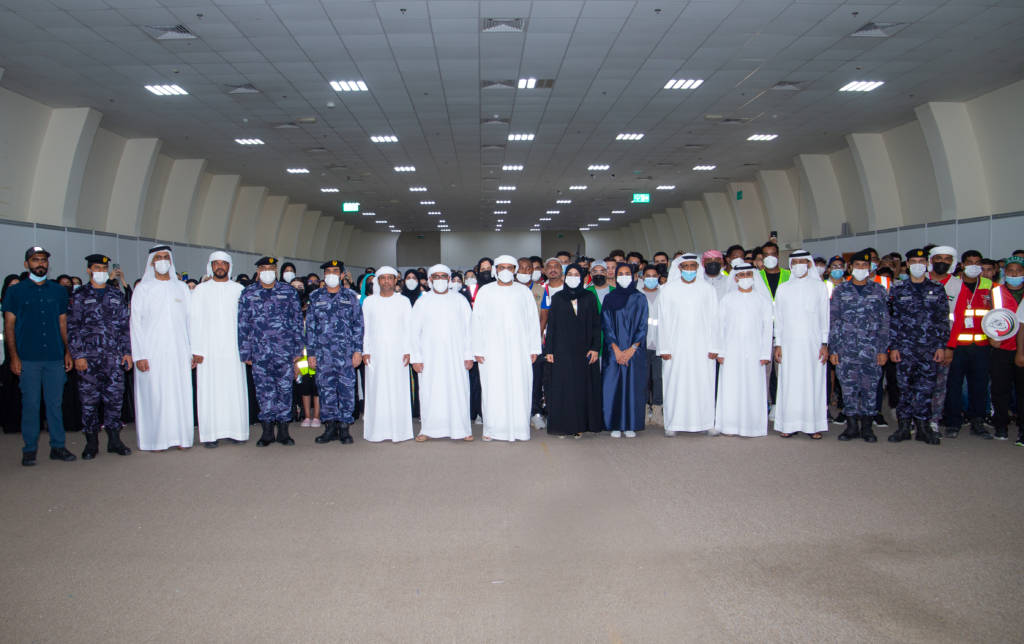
[[46, 377]]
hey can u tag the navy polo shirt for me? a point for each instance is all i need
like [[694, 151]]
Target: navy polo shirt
[[37, 309]]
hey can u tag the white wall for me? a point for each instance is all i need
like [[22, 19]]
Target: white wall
[[100, 170], [915, 175], [998, 122], [23, 124]]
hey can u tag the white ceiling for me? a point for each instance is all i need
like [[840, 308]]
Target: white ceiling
[[424, 63]]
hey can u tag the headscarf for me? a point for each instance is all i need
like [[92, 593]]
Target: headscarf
[[414, 293], [574, 293], [150, 273], [760, 288], [7, 283], [364, 283], [501, 259], [385, 270], [803, 254], [944, 250], [618, 296], [675, 273], [220, 256]]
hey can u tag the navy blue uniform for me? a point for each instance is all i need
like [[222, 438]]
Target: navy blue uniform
[[334, 331], [270, 335], [919, 327], [98, 331], [858, 332]]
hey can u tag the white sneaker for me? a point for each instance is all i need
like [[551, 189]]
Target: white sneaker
[[630, 434], [315, 422], [616, 434], [670, 433], [305, 423], [538, 422]]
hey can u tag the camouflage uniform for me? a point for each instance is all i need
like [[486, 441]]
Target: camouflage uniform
[[859, 331], [919, 327], [334, 331]]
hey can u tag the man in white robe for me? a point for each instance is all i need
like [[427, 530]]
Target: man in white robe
[[801, 349], [442, 355], [744, 349], [386, 347], [162, 356], [506, 342], [222, 394], [687, 314]]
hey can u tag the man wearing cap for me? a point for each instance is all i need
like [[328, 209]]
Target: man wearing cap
[[1004, 373], [386, 348], [270, 339], [100, 344], [859, 344], [35, 330], [222, 393], [919, 330], [334, 343]]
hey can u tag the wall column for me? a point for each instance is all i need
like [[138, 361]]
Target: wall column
[[180, 199], [243, 218], [819, 176], [723, 222], [61, 165], [751, 222], [956, 158], [780, 204], [697, 217], [877, 178], [288, 234], [131, 183], [269, 223]]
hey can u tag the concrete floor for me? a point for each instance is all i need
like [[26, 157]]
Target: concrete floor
[[695, 539]]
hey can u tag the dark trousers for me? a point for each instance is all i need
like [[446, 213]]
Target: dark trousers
[[832, 385], [971, 363], [46, 378], [1006, 376], [475, 394], [537, 402], [655, 391], [887, 384]]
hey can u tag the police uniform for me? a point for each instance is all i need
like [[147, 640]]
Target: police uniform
[[270, 335], [858, 332], [919, 326], [334, 332], [98, 331]]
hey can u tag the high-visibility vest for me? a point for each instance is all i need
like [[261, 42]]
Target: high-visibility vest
[[966, 333]]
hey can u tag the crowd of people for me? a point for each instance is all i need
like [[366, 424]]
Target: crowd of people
[[721, 342]]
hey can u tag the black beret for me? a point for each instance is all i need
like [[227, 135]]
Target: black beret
[[96, 258], [262, 261], [861, 256], [917, 252], [333, 263]]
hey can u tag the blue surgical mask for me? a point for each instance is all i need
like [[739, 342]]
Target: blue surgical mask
[[874, 266], [689, 276], [650, 283], [904, 277], [837, 273], [1014, 281], [38, 279]]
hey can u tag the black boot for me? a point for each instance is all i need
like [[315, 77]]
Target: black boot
[[61, 454], [978, 429], [925, 433], [330, 433], [268, 434], [282, 434], [866, 432], [902, 433], [114, 444], [345, 437], [92, 446], [852, 431]]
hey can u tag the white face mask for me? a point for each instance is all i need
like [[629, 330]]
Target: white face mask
[[624, 280], [972, 271], [820, 269], [799, 270], [471, 281], [505, 276], [534, 276], [441, 286], [100, 277], [770, 261], [267, 277], [331, 281], [162, 266], [522, 278], [455, 286], [572, 281], [861, 274], [288, 276], [917, 270], [412, 284], [746, 282]]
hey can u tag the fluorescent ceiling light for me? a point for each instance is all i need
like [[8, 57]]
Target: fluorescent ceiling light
[[512, 168], [553, 212], [501, 201], [762, 137], [861, 86], [167, 90], [441, 221], [520, 137], [381, 221], [604, 218], [249, 141], [598, 166], [396, 230], [564, 201], [683, 83], [501, 212], [433, 212], [665, 188], [329, 190], [618, 212], [405, 168], [584, 228], [545, 219], [704, 168], [527, 83], [506, 188], [369, 214], [500, 221], [417, 189], [384, 138], [298, 170], [577, 187], [629, 136], [427, 203], [348, 86]]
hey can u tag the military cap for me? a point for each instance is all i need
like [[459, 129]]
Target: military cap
[[266, 261], [333, 263], [917, 252], [96, 258], [861, 256]]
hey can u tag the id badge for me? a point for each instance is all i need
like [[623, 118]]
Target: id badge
[[969, 322]]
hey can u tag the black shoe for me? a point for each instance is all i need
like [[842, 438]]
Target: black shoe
[[840, 418], [1001, 434], [866, 432], [61, 454], [880, 420], [852, 431], [28, 459], [902, 433], [925, 433], [282, 434], [978, 429], [92, 446], [268, 435], [210, 444], [345, 437], [330, 433], [950, 432], [114, 444]]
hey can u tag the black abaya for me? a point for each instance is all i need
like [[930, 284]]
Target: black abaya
[[574, 390]]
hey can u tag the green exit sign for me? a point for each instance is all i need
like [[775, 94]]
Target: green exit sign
[[350, 206], [641, 197]]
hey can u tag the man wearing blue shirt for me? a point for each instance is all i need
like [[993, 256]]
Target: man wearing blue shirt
[[36, 332]]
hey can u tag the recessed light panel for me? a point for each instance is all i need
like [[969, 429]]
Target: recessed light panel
[[512, 168], [249, 141], [861, 86], [667, 187], [597, 167], [298, 170], [629, 136], [349, 86], [329, 190], [520, 137], [762, 137], [577, 187], [506, 188], [563, 201], [704, 168], [166, 90], [405, 168], [417, 189], [384, 138], [683, 83]]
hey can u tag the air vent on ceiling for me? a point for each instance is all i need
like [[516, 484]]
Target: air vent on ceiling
[[878, 29], [786, 86], [316, 150], [247, 88], [286, 126], [748, 164], [498, 121], [732, 120], [497, 84], [503, 25], [695, 147], [306, 120], [491, 148], [170, 32]]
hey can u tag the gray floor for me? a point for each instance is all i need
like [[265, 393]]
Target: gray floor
[[694, 539]]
